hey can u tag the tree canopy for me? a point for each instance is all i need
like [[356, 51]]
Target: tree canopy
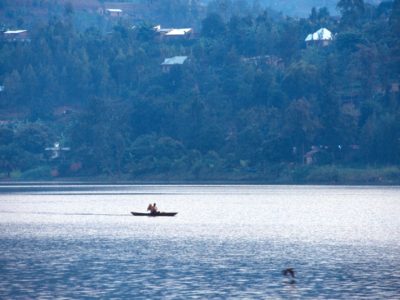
[[252, 101]]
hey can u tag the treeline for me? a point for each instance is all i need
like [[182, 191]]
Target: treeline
[[252, 101]]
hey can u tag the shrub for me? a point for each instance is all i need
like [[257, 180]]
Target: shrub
[[43, 172], [324, 174]]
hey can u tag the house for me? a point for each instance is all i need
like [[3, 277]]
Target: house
[[114, 12], [174, 33], [180, 33], [309, 156], [56, 150], [322, 37], [168, 63], [161, 31], [270, 60], [128, 8], [19, 35]]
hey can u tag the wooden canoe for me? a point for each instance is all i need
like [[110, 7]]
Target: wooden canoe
[[159, 214]]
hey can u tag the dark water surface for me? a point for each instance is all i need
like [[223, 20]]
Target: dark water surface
[[227, 242]]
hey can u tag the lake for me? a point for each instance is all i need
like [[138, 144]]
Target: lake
[[226, 242]]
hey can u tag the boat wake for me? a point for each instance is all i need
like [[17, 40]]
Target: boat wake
[[62, 214]]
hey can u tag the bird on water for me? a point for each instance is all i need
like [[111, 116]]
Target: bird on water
[[289, 272]]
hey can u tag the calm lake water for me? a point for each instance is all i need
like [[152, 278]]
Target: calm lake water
[[227, 242]]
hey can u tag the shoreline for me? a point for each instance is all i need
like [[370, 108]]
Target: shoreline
[[328, 175], [62, 182]]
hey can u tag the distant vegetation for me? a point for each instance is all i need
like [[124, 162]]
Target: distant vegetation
[[252, 102], [302, 7]]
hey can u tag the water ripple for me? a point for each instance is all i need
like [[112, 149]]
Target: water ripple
[[342, 243]]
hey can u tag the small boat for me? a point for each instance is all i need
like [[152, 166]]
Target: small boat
[[158, 214]]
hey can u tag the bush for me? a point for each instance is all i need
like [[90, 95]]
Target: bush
[[300, 174], [43, 172], [324, 174]]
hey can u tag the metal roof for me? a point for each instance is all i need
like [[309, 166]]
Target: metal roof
[[179, 31], [322, 34], [163, 30], [114, 10], [15, 31], [176, 60]]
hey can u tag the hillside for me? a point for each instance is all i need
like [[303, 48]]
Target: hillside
[[302, 8], [244, 97]]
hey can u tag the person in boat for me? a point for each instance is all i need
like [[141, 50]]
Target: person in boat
[[154, 209]]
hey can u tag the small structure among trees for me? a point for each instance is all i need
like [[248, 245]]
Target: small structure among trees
[[172, 33], [19, 35], [168, 63], [259, 60], [180, 32], [114, 12], [56, 150], [322, 37]]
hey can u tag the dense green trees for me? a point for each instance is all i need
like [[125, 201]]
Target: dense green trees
[[249, 103], [351, 10]]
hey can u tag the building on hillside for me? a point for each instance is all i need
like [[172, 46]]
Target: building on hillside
[[161, 31], [309, 157], [270, 60], [174, 33], [19, 35], [121, 9], [322, 37], [57, 150], [168, 63], [114, 12], [180, 33]]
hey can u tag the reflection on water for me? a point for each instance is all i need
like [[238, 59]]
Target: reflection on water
[[225, 242]]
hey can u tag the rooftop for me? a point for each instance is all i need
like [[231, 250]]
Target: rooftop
[[322, 34], [15, 31], [179, 31], [176, 60], [159, 29], [117, 10]]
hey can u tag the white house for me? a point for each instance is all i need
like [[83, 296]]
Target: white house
[[114, 12], [174, 32], [56, 150], [179, 32], [172, 61], [161, 30], [16, 35], [322, 37]]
